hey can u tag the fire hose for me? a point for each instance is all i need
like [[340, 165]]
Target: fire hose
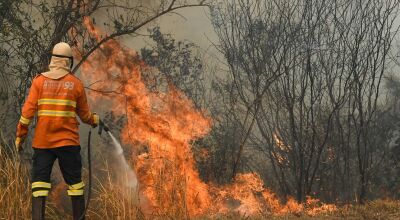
[[102, 127]]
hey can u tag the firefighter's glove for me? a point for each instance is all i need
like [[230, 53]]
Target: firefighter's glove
[[18, 143], [96, 120]]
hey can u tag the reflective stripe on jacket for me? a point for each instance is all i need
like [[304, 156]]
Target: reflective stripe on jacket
[[56, 103]]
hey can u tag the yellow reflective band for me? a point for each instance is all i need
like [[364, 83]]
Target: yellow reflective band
[[40, 193], [75, 192], [24, 121], [56, 102], [77, 186], [56, 113], [41, 185]]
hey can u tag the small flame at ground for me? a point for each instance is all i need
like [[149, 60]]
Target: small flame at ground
[[163, 125]]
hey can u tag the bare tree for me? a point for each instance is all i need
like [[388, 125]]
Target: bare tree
[[372, 37], [254, 43]]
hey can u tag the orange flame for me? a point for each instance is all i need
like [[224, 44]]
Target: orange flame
[[165, 124]]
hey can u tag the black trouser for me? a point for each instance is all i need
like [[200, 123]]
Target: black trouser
[[69, 159]]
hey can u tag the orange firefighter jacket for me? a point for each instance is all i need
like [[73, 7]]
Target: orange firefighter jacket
[[56, 102]]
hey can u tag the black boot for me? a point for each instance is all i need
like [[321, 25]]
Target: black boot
[[78, 207], [38, 207]]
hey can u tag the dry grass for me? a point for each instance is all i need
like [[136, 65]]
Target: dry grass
[[110, 201], [374, 210], [14, 183]]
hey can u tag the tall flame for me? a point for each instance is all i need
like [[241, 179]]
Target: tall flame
[[164, 124]]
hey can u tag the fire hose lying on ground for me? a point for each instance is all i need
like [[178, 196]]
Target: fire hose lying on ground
[[102, 127]]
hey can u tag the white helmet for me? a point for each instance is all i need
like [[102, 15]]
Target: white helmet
[[62, 49]]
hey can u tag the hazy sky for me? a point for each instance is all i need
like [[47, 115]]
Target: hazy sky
[[192, 24], [195, 25]]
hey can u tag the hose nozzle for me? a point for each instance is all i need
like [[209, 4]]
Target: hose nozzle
[[102, 126]]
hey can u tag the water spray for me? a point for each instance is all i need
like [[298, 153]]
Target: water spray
[[131, 176], [119, 153]]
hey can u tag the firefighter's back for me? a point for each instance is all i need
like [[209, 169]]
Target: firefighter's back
[[57, 103]]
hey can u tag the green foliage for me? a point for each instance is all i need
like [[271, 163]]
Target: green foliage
[[177, 62]]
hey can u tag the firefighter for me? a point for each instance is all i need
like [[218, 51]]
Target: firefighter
[[56, 96]]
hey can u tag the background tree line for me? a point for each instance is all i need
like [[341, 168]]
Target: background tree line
[[306, 85]]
